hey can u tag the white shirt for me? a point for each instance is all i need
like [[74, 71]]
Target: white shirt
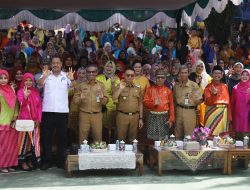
[[56, 93]]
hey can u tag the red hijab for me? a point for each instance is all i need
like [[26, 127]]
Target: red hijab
[[7, 92], [16, 69]]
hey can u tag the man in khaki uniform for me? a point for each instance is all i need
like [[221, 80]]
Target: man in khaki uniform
[[90, 96], [187, 96], [129, 108]]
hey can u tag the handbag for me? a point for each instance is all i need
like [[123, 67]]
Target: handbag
[[24, 125]]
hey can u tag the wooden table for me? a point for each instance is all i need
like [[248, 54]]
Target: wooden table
[[161, 156], [72, 164], [237, 152]]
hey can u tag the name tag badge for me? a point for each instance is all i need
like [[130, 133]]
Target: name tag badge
[[124, 97], [186, 101]]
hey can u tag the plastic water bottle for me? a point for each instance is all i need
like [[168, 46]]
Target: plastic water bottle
[[245, 142], [117, 144]]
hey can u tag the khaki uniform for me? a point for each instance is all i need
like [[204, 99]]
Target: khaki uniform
[[127, 118], [90, 110], [186, 109]]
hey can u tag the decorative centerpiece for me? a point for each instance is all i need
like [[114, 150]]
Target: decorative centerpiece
[[98, 147], [227, 142], [170, 143], [200, 134]]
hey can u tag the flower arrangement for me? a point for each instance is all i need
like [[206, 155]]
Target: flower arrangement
[[200, 134], [99, 145]]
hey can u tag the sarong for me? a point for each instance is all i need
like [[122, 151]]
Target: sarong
[[216, 119], [157, 125]]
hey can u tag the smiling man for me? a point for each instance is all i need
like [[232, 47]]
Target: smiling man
[[55, 111], [129, 108], [216, 98], [90, 96]]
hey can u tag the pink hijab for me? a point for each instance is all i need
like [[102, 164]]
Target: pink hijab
[[243, 86], [33, 95], [7, 92], [25, 77]]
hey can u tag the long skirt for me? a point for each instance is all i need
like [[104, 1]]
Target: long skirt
[[8, 148], [157, 125], [29, 145], [216, 119]]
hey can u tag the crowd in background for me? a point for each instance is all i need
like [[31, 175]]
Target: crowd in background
[[196, 81]]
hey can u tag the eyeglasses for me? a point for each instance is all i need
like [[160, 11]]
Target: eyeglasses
[[130, 75]]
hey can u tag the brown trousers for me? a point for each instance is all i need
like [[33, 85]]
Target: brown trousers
[[89, 122], [185, 122], [127, 126]]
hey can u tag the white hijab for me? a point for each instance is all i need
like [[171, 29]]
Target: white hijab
[[204, 75]]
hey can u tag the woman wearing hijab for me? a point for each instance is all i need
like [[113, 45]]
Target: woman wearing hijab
[[73, 108], [146, 70], [154, 68], [241, 105], [33, 65], [49, 52], [30, 109], [17, 77], [8, 115], [235, 78], [67, 63], [201, 77], [35, 44], [200, 72], [110, 81]]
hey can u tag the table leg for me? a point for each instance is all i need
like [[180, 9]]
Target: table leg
[[141, 169], [225, 169], [229, 164], [246, 162], [139, 162], [159, 164], [152, 157], [68, 168]]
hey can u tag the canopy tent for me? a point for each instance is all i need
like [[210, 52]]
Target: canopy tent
[[99, 15]]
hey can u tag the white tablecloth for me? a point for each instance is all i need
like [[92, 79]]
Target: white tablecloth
[[107, 160]]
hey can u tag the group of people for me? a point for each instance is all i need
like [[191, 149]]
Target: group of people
[[120, 84]]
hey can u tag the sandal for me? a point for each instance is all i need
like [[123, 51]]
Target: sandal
[[25, 167], [4, 170], [11, 169]]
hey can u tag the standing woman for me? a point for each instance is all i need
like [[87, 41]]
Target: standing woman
[[110, 81], [201, 77], [146, 70], [17, 77], [30, 108], [241, 105], [74, 108], [8, 135], [140, 79]]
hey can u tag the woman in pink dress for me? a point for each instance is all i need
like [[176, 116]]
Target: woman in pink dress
[[241, 105], [8, 134], [30, 108]]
